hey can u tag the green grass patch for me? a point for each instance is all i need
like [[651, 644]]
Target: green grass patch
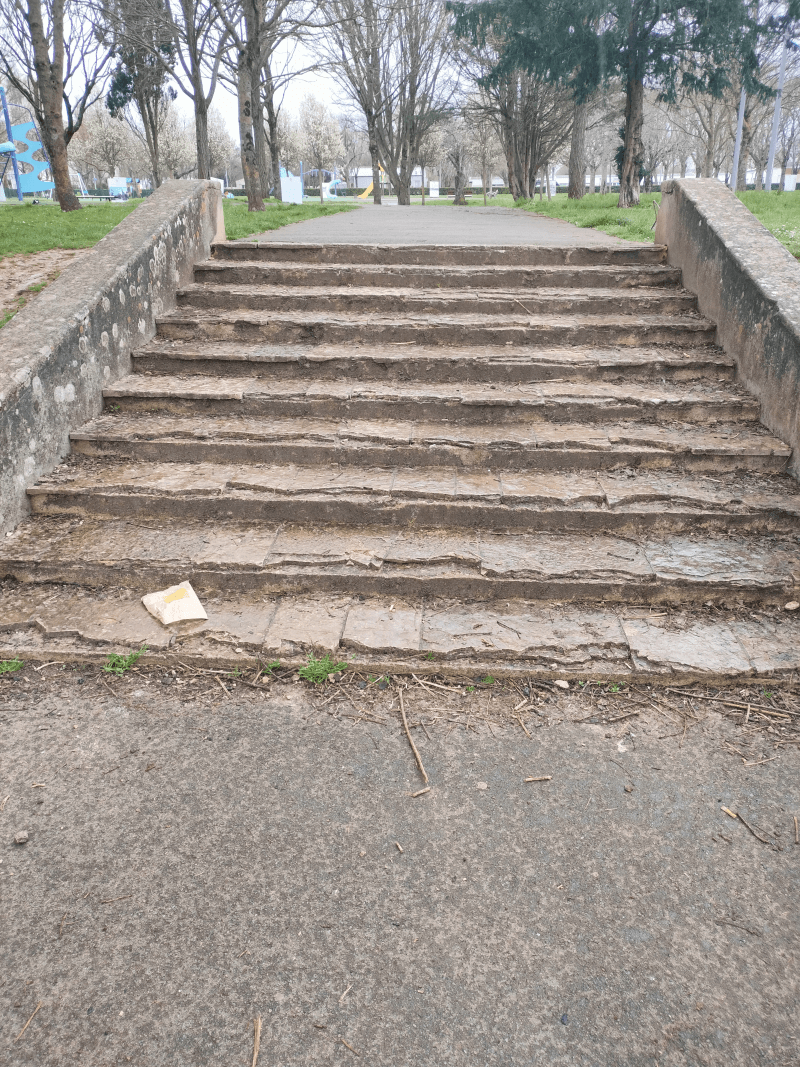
[[29, 227], [599, 211], [318, 670], [117, 664], [8, 666], [779, 212], [239, 222]]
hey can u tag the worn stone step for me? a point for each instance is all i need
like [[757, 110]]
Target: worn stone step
[[391, 275], [427, 635], [536, 445], [363, 300], [440, 329], [390, 362], [370, 560], [429, 497], [434, 402], [629, 254]]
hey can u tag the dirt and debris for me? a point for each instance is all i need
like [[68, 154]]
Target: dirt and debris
[[25, 274], [212, 847]]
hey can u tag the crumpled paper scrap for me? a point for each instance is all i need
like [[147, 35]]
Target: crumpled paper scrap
[[179, 603]]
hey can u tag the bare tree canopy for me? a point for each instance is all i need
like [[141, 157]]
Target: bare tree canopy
[[54, 57], [393, 58]]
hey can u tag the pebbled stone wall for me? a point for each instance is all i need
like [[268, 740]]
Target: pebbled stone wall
[[76, 337], [749, 285]]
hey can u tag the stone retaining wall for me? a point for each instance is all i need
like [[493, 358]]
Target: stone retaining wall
[[76, 337], [749, 285]]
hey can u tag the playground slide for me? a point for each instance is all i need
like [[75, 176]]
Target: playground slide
[[367, 192]]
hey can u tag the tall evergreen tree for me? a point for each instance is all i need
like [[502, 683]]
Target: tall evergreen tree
[[673, 45]]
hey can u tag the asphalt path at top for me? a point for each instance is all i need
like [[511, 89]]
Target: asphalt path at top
[[437, 225], [199, 859]]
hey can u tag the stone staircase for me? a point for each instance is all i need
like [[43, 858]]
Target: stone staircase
[[442, 459]]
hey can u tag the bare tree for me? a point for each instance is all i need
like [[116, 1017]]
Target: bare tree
[[392, 59], [200, 39], [457, 157], [357, 46], [56, 60], [482, 143], [429, 151], [320, 138], [533, 115]]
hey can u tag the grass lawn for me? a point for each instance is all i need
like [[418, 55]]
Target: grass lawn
[[599, 211], [29, 227], [779, 212], [239, 222]]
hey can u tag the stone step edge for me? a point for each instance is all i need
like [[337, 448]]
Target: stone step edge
[[421, 320], [408, 582], [629, 253], [592, 513], [536, 355], [753, 444], [641, 645], [446, 294]]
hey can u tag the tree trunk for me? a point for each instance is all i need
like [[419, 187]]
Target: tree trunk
[[50, 83], [744, 150], [577, 153], [259, 138], [201, 133], [404, 176], [148, 111], [631, 160], [547, 175], [483, 179], [252, 179], [272, 125], [372, 137], [422, 174]]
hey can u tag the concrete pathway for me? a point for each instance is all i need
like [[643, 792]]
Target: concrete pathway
[[438, 225], [196, 860]]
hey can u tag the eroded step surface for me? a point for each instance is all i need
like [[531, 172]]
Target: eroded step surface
[[536, 445], [474, 363], [441, 255], [390, 275], [426, 635], [468, 403], [433, 496], [360, 300], [436, 329], [142, 552]]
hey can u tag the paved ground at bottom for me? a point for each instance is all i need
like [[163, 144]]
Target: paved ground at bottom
[[191, 867], [438, 225]]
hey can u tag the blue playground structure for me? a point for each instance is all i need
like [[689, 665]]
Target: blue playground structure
[[27, 132]]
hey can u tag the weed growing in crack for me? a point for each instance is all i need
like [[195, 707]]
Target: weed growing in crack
[[318, 670], [117, 664], [8, 666]]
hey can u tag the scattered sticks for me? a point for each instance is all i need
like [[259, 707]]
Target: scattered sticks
[[542, 778], [256, 1038], [349, 1046], [796, 838], [28, 1023], [522, 724], [427, 789], [417, 756]]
